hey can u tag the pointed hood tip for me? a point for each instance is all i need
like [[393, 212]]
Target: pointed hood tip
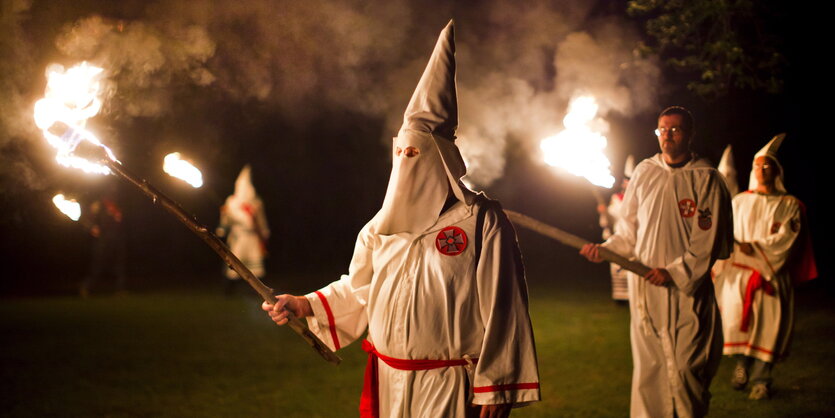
[[727, 168], [629, 166], [433, 107], [243, 184], [770, 149]]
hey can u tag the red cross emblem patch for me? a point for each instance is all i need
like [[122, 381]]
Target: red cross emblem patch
[[686, 207], [452, 240]]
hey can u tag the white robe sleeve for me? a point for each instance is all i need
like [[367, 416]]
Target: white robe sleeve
[[706, 245], [506, 371], [776, 247], [339, 315]]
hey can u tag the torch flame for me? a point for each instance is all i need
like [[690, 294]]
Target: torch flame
[[182, 169], [72, 97], [70, 207], [579, 149]]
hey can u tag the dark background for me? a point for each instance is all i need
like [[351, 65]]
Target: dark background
[[319, 149]]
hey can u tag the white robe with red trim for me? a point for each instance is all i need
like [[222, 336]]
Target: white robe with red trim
[[419, 303], [771, 223], [678, 219]]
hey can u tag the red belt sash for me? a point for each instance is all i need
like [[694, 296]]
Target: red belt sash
[[369, 402], [755, 282]]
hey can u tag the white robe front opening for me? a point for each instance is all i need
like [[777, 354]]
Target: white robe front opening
[[419, 303], [678, 219]]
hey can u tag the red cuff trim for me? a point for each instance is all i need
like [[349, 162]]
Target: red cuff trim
[[331, 322], [750, 346], [511, 386]]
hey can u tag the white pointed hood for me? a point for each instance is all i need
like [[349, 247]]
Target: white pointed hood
[[419, 186], [629, 167], [728, 170], [244, 206], [770, 151], [244, 190]]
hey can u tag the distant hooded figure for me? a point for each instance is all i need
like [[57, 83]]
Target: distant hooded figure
[[728, 170], [755, 287], [243, 221], [109, 252], [436, 279]]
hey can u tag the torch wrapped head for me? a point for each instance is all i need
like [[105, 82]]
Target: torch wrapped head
[[72, 97]]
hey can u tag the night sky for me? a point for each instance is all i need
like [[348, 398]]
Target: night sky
[[310, 94]]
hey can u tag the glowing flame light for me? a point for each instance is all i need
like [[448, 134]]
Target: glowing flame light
[[579, 149], [70, 207], [72, 96], [182, 169]]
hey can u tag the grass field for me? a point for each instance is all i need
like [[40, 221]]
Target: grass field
[[180, 353]]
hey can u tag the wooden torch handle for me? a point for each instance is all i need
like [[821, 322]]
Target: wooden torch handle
[[574, 241], [224, 252]]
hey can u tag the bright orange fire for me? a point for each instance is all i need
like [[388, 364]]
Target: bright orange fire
[[68, 207], [72, 97], [175, 166], [579, 149]]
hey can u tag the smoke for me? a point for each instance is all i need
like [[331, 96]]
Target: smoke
[[519, 64], [533, 75], [144, 61], [16, 172]]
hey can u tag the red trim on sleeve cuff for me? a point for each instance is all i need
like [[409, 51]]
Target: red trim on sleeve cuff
[[511, 386], [331, 322]]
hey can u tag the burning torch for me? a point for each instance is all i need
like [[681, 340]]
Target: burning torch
[[68, 207], [579, 150], [72, 97]]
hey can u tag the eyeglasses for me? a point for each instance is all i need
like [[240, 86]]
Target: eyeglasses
[[663, 131], [763, 165]]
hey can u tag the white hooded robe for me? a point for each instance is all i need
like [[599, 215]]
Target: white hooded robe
[[244, 221], [435, 287], [771, 223], [418, 303], [678, 219]]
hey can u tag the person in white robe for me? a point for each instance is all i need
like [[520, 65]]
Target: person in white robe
[[243, 222], [676, 219], [436, 279], [754, 287], [609, 217]]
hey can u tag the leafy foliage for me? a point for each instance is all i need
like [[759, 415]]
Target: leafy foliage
[[718, 45]]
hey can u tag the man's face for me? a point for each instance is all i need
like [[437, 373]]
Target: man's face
[[766, 170], [672, 138]]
